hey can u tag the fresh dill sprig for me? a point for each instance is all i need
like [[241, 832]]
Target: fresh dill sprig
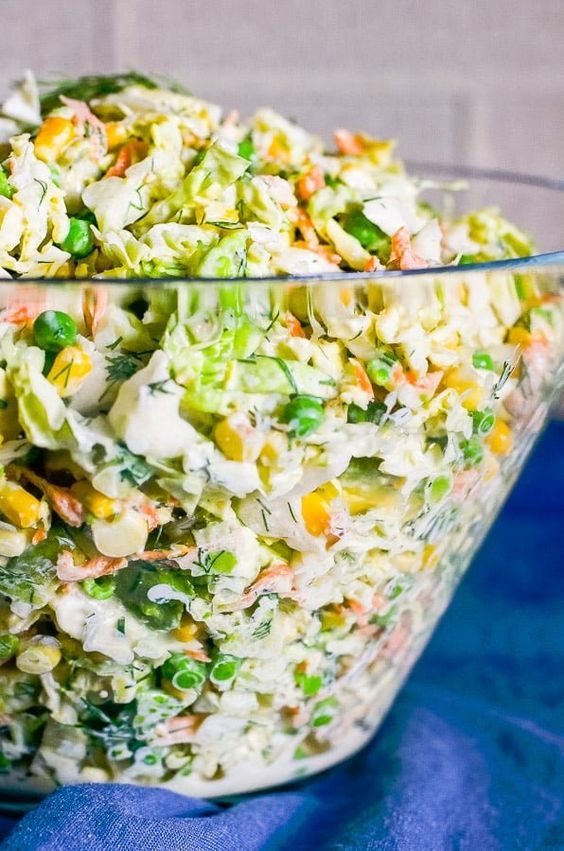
[[120, 367], [98, 85]]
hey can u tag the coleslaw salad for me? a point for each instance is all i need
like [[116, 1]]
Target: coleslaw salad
[[231, 514]]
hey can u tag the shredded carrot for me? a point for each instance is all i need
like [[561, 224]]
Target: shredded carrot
[[373, 265], [309, 183], [325, 251], [293, 325], [305, 225], [362, 378], [60, 499], [403, 253], [133, 151], [94, 304], [347, 142]]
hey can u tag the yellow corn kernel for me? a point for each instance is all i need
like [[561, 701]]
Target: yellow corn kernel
[[500, 438], [371, 496], [238, 439], [316, 514], [116, 134], [187, 631], [66, 270], [54, 135], [430, 557], [330, 490], [39, 658], [332, 619], [519, 336], [346, 295], [275, 444], [464, 383], [18, 506], [278, 150], [12, 542], [70, 368], [463, 293], [96, 503]]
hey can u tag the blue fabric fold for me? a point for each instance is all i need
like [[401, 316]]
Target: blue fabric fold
[[470, 757]]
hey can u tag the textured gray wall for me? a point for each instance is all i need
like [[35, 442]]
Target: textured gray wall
[[476, 81]]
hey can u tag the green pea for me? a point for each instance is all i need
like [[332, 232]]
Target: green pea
[[79, 240], [247, 149], [5, 188], [380, 369], [373, 413], [324, 712], [8, 646], [101, 589], [224, 669], [310, 685], [184, 673], [483, 421], [54, 330], [482, 360], [304, 414], [472, 451]]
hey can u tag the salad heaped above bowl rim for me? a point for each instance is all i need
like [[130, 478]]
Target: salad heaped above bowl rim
[[131, 180], [230, 516]]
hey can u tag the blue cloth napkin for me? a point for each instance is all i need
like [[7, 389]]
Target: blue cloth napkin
[[470, 757]]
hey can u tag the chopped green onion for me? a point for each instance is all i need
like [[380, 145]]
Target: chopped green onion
[[310, 685], [324, 712], [482, 360], [224, 669], [439, 487], [380, 369], [100, 589], [184, 673], [472, 451], [483, 421]]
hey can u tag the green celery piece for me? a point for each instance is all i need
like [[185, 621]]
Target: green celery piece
[[262, 374], [227, 259]]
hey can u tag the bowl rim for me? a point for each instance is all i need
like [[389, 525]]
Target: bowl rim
[[547, 260]]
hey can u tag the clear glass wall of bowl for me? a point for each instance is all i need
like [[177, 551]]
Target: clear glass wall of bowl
[[344, 545]]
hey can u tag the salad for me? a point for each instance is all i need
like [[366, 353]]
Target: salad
[[230, 511]]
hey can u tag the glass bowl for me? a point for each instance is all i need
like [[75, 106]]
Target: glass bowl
[[303, 560]]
